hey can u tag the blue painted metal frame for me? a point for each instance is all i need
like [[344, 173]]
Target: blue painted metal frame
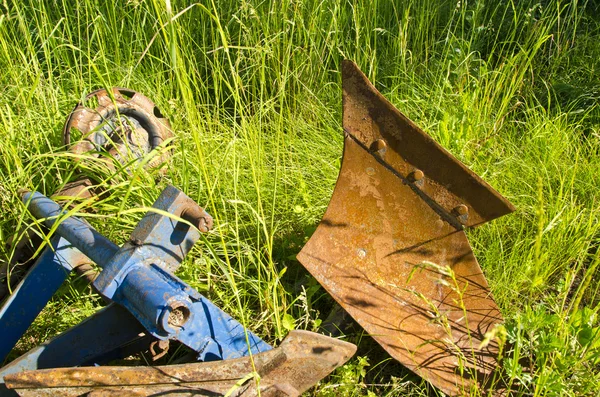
[[96, 340], [29, 298], [137, 276], [109, 334]]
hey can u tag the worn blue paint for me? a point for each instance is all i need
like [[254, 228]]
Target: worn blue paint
[[139, 277], [32, 295], [81, 235], [104, 336]]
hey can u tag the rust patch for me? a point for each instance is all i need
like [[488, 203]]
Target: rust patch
[[127, 128], [391, 250], [371, 119], [301, 360]]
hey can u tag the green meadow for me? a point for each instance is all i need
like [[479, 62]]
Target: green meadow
[[253, 92]]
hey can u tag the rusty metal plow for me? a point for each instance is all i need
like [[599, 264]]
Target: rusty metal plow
[[391, 247], [148, 306]]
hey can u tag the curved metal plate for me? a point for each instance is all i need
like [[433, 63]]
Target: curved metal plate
[[391, 252], [446, 183]]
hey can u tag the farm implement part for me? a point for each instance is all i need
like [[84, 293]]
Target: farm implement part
[[119, 124], [391, 248], [150, 307]]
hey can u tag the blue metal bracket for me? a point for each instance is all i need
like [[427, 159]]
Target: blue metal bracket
[[137, 276]]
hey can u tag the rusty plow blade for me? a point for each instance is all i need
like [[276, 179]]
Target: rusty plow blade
[[391, 247], [302, 359]]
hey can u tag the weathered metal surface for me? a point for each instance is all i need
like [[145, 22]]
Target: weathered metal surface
[[79, 233], [31, 296], [28, 242], [301, 360], [138, 275], [391, 249], [127, 128], [170, 242], [406, 150]]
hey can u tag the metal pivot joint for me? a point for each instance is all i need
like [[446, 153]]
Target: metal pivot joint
[[138, 275]]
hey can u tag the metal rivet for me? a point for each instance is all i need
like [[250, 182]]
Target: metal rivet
[[362, 253], [178, 316], [174, 316], [370, 171], [461, 210], [417, 175], [379, 146]]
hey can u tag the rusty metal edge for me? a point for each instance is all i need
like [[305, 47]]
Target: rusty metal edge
[[504, 206], [447, 172], [302, 359]]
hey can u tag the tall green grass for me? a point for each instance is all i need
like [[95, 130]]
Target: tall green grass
[[252, 89]]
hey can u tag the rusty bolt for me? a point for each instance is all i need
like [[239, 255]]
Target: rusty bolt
[[178, 315], [416, 175], [379, 146], [203, 225], [461, 210], [197, 217], [136, 241]]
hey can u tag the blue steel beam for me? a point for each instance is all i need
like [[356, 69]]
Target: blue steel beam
[[102, 333], [81, 235], [33, 293], [96, 340], [50, 270], [137, 275]]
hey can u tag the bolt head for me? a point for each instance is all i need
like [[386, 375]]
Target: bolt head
[[417, 175], [378, 146], [461, 209]]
